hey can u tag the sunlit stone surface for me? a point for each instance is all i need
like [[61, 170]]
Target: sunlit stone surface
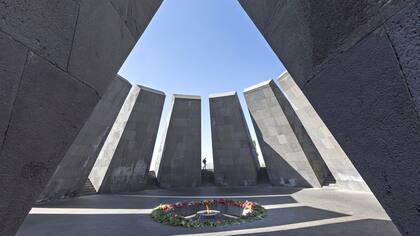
[[179, 160], [234, 156], [285, 159]]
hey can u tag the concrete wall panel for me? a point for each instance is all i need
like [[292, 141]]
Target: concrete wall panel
[[53, 33], [287, 164], [73, 171], [235, 159], [130, 165], [47, 113], [180, 155], [356, 63], [316, 138], [102, 163]]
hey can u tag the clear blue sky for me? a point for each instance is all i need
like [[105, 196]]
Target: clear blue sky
[[200, 47]]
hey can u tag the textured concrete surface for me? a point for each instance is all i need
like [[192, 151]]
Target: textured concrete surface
[[73, 171], [315, 137], [102, 163], [314, 157], [291, 211], [46, 114], [287, 164], [179, 158], [234, 156], [130, 164], [11, 69], [58, 58], [357, 64], [136, 14]]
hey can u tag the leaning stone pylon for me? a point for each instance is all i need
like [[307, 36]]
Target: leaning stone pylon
[[129, 167], [314, 136], [59, 58], [73, 171], [287, 164], [124, 161], [179, 159], [234, 156], [357, 62]]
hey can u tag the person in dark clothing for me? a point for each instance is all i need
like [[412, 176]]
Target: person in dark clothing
[[205, 163]]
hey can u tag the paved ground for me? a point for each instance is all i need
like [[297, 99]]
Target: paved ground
[[313, 212]]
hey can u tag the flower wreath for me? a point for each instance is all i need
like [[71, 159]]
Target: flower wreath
[[170, 214]]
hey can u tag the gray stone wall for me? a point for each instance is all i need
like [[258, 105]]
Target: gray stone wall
[[315, 137], [314, 157], [129, 167], [58, 58], [287, 164], [73, 171], [234, 157], [179, 159], [103, 161], [357, 63]]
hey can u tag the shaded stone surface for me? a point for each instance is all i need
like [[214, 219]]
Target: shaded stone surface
[[234, 157], [73, 171], [179, 159], [363, 87], [101, 44], [45, 105], [404, 35], [320, 29], [136, 14], [49, 109], [103, 161], [46, 27], [129, 168], [285, 159], [12, 63], [315, 138]]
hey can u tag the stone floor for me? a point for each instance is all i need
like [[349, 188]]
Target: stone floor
[[313, 212]]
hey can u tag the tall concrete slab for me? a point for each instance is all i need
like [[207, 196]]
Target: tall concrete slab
[[315, 137], [179, 159], [100, 167], [358, 65], [234, 156], [73, 171], [287, 164], [130, 164], [58, 58]]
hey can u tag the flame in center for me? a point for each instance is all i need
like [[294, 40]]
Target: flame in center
[[208, 209]]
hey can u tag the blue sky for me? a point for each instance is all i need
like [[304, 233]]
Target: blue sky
[[201, 47]]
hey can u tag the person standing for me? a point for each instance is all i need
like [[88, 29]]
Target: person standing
[[205, 163]]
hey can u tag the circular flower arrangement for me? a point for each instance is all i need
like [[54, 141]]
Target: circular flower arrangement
[[208, 213]]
